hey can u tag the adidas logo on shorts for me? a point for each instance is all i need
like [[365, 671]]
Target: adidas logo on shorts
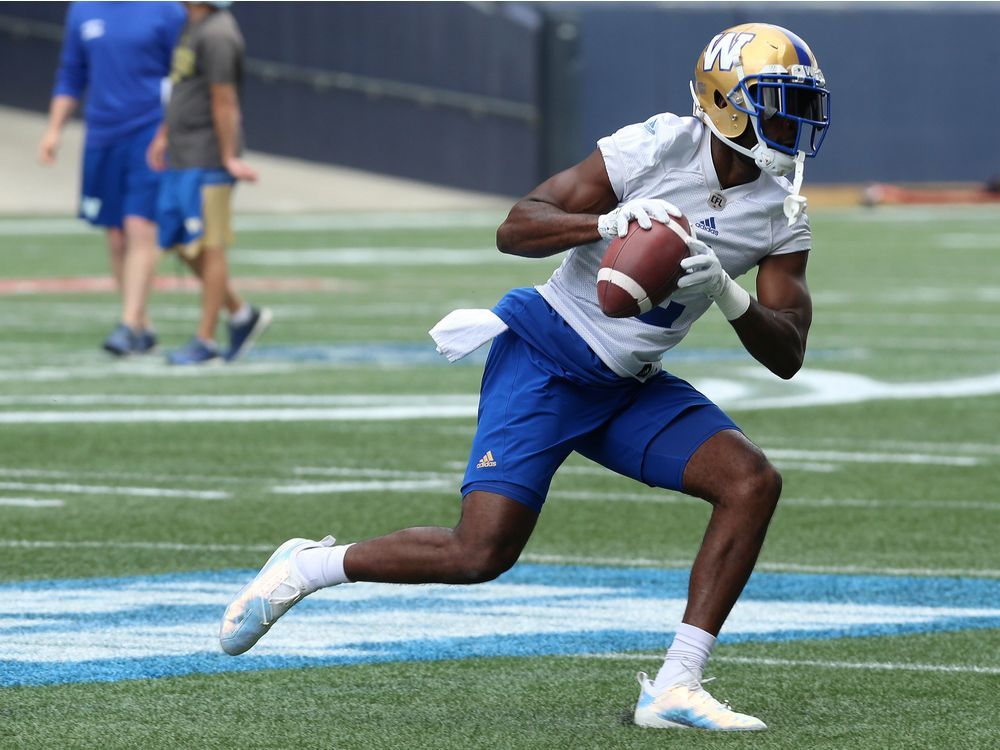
[[486, 461]]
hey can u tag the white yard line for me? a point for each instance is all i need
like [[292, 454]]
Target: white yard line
[[187, 416], [395, 256], [365, 472], [169, 546], [866, 457], [612, 496], [530, 557], [31, 502], [95, 489], [771, 567], [374, 485], [766, 661], [286, 222]]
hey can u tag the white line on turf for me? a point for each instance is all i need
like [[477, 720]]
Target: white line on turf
[[873, 458], [612, 496], [772, 567], [766, 661], [287, 223], [94, 489], [168, 546], [347, 471], [374, 485], [529, 557], [31, 502], [174, 416], [375, 256]]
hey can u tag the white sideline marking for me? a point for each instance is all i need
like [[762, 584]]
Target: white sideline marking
[[529, 557], [811, 388], [31, 502], [260, 399], [867, 665], [989, 449], [150, 368], [374, 256], [612, 496], [287, 223], [169, 546], [164, 416], [773, 567], [346, 471], [873, 458], [94, 489], [398, 485]]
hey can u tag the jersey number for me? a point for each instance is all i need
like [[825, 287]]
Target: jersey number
[[662, 317]]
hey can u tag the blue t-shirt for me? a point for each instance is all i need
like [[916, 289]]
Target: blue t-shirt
[[119, 54]]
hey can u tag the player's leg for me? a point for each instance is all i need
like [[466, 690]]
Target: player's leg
[[142, 186], [141, 257], [673, 437], [487, 541], [115, 237], [743, 487]]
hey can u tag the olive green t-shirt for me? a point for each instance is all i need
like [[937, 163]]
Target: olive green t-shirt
[[209, 51]]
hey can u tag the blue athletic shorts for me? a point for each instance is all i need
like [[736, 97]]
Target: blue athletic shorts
[[180, 209], [117, 181], [545, 394]]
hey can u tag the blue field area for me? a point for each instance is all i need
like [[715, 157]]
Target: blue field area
[[133, 628]]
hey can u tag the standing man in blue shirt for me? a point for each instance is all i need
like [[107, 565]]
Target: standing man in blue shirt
[[118, 54]]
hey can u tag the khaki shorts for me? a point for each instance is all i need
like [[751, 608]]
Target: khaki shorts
[[217, 215]]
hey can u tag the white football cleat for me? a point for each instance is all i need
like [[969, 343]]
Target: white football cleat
[[273, 591], [687, 705]]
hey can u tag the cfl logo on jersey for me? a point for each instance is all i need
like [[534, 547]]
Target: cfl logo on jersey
[[708, 225], [725, 49], [92, 29]]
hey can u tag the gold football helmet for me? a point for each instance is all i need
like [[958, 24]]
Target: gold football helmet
[[753, 73]]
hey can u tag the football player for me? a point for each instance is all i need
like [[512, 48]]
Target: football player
[[561, 376]]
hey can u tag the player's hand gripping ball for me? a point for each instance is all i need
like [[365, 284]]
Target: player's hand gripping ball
[[641, 269]]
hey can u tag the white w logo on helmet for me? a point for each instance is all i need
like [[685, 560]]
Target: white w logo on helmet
[[726, 48]]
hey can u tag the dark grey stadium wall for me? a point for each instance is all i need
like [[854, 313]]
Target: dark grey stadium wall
[[914, 93], [445, 92], [496, 96]]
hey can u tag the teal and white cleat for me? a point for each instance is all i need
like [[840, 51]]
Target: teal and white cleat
[[687, 705], [275, 589]]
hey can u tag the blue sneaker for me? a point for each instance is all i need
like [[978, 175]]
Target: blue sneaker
[[145, 342], [273, 591], [194, 352], [121, 342], [242, 337]]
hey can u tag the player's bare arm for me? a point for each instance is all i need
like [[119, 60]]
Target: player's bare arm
[[226, 118], [560, 213], [775, 326]]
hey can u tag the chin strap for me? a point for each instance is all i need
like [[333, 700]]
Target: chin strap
[[795, 204]]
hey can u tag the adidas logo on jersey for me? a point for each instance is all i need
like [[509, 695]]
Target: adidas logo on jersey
[[708, 225], [486, 461]]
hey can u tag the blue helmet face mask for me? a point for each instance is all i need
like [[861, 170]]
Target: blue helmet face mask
[[802, 101]]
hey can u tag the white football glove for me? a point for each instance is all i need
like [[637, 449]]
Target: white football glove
[[704, 273], [615, 223]]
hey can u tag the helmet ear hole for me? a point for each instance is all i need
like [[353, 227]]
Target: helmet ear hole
[[720, 100]]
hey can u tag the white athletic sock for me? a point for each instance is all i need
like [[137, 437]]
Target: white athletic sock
[[689, 651], [242, 315], [322, 566]]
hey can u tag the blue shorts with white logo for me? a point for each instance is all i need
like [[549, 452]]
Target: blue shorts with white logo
[[117, 181], [545, 394]]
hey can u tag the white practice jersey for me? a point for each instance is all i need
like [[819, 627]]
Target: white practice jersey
[[669, 157]]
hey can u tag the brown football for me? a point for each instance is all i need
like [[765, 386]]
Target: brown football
[[641, 269]]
